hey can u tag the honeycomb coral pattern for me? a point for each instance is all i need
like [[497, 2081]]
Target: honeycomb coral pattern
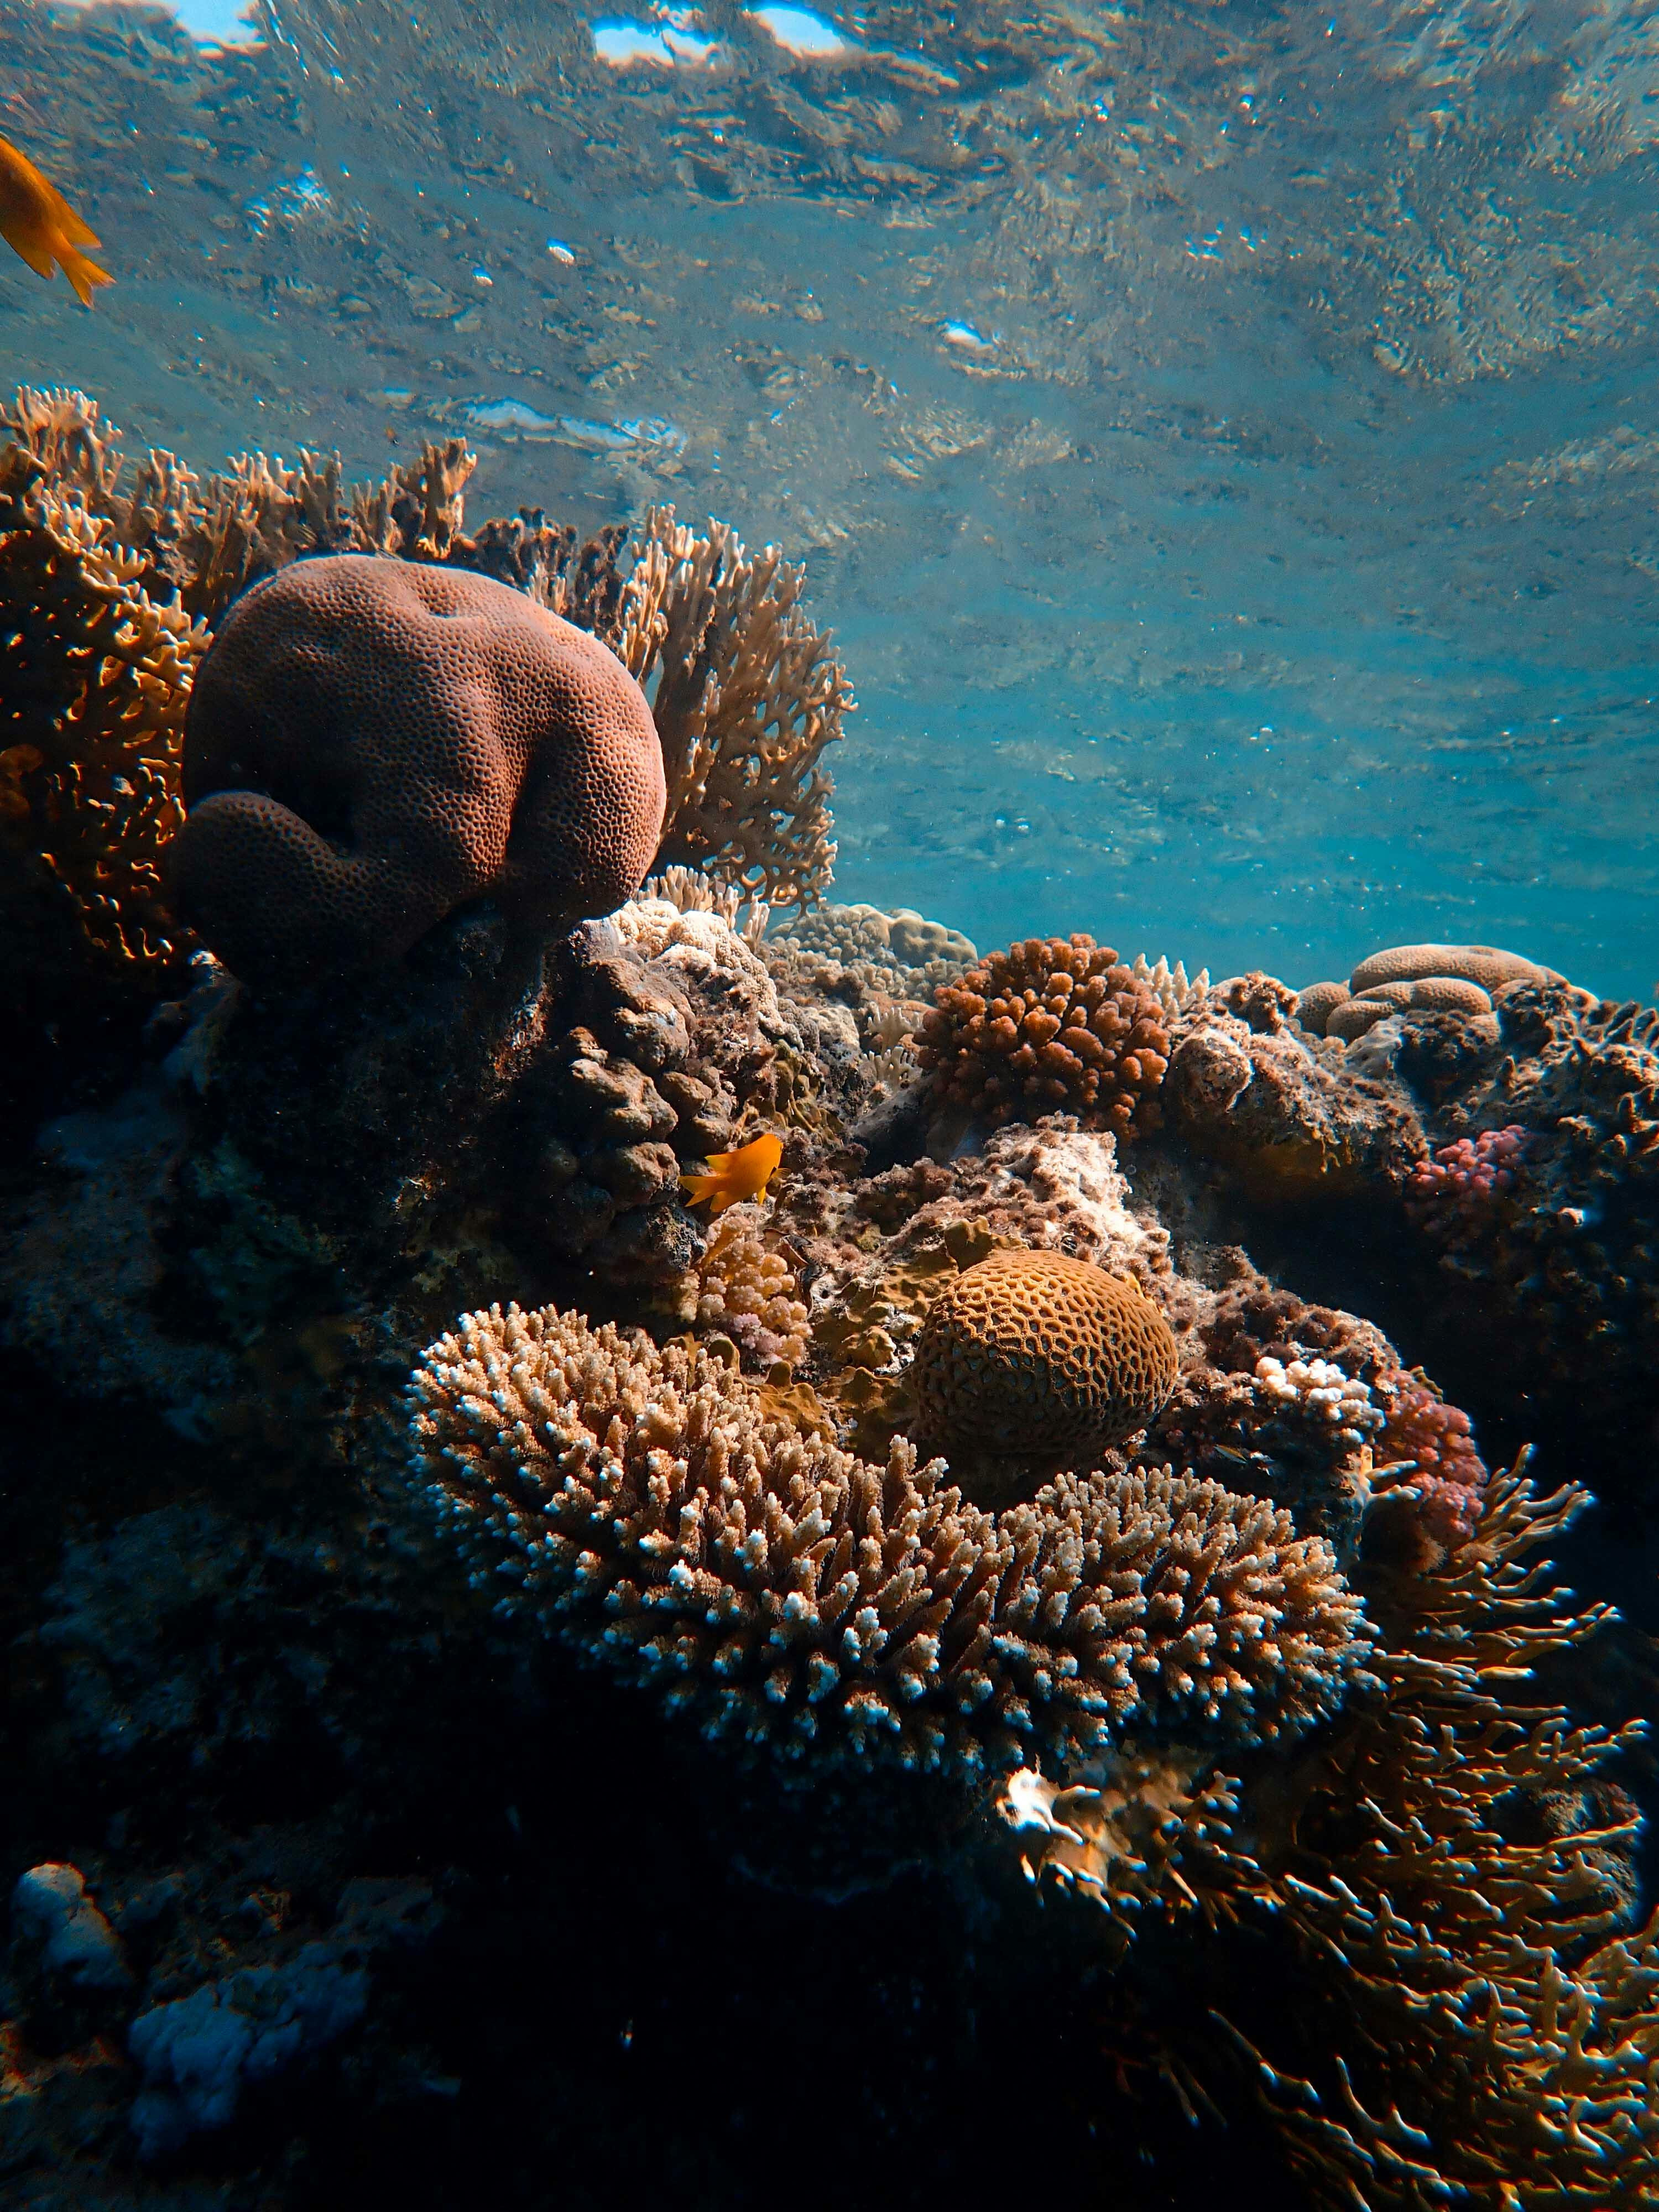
[[1030, 1354], [372, 743], [1051, 1023]]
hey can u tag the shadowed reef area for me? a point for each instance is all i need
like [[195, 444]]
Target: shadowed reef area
[[1030, 1651]]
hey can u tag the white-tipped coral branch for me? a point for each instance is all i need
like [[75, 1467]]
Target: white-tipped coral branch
[[790, 1594]]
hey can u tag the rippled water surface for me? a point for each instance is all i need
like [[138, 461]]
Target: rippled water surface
[[1223, 437]]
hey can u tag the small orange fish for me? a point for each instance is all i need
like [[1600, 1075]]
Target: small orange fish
[[735, 1176], [38, 223]]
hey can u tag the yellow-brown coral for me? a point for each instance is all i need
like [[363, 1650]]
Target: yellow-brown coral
[[1032, 1354], [1051, 1023], [747, 695], [1459, 2015], [790, 1595], [97, 677]]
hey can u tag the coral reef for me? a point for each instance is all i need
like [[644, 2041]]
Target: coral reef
[[1027, 1355], [1449, 979], [98, 671], [791, 1595], [746, 1292], [1464, 2006], [372, 743], [1048, 1023], [747, 697], [329, 1691]]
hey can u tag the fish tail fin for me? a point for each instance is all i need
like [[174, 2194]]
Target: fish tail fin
[[82, 274], [700, 1186], [23, 243], [75, 228]]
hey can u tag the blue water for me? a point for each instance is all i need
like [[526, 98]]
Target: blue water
[[1221, 439]]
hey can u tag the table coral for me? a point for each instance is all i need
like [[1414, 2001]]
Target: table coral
[[791, 1595], [1050, 1023], [1029, 1357], [372, 743], [747, 697]]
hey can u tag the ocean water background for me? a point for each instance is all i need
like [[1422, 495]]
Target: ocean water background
[[1224, 438]]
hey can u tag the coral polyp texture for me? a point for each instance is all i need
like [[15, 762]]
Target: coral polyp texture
[[1028, 1355], [372, 743], [745, 1289], [1454, 1188], [792, 1596], [1051, 1023], [1448, 1472]]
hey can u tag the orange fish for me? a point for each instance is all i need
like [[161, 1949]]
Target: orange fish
[[38, 223], [735, 1176]]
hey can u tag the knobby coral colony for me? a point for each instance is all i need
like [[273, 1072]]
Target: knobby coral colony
[[113, 581], [1213, 1598]]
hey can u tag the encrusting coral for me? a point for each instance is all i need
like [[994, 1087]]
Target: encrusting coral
[[789, 1595], [371, 743], [747, 695], [1033, 1355], [1048, 1023]]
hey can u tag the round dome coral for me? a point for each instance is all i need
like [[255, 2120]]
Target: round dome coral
[[1030, 1355], [372, 743]]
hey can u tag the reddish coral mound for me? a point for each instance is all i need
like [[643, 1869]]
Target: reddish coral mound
[[1450, 1474], [372, 743], [1052, 1022], [1452, 1190]]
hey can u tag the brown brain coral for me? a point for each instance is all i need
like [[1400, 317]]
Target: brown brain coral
[[1051, 1023], [1030, 1354], [372, 743], [791, 1595]]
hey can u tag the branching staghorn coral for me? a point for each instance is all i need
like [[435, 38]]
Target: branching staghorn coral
[[97, 675], [1476, 2022], [688, 891], [747, 695], [789, 1595]]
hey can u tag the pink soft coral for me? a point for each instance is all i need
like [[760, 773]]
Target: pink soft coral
[[1453, 1190], [1450, 1474]]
